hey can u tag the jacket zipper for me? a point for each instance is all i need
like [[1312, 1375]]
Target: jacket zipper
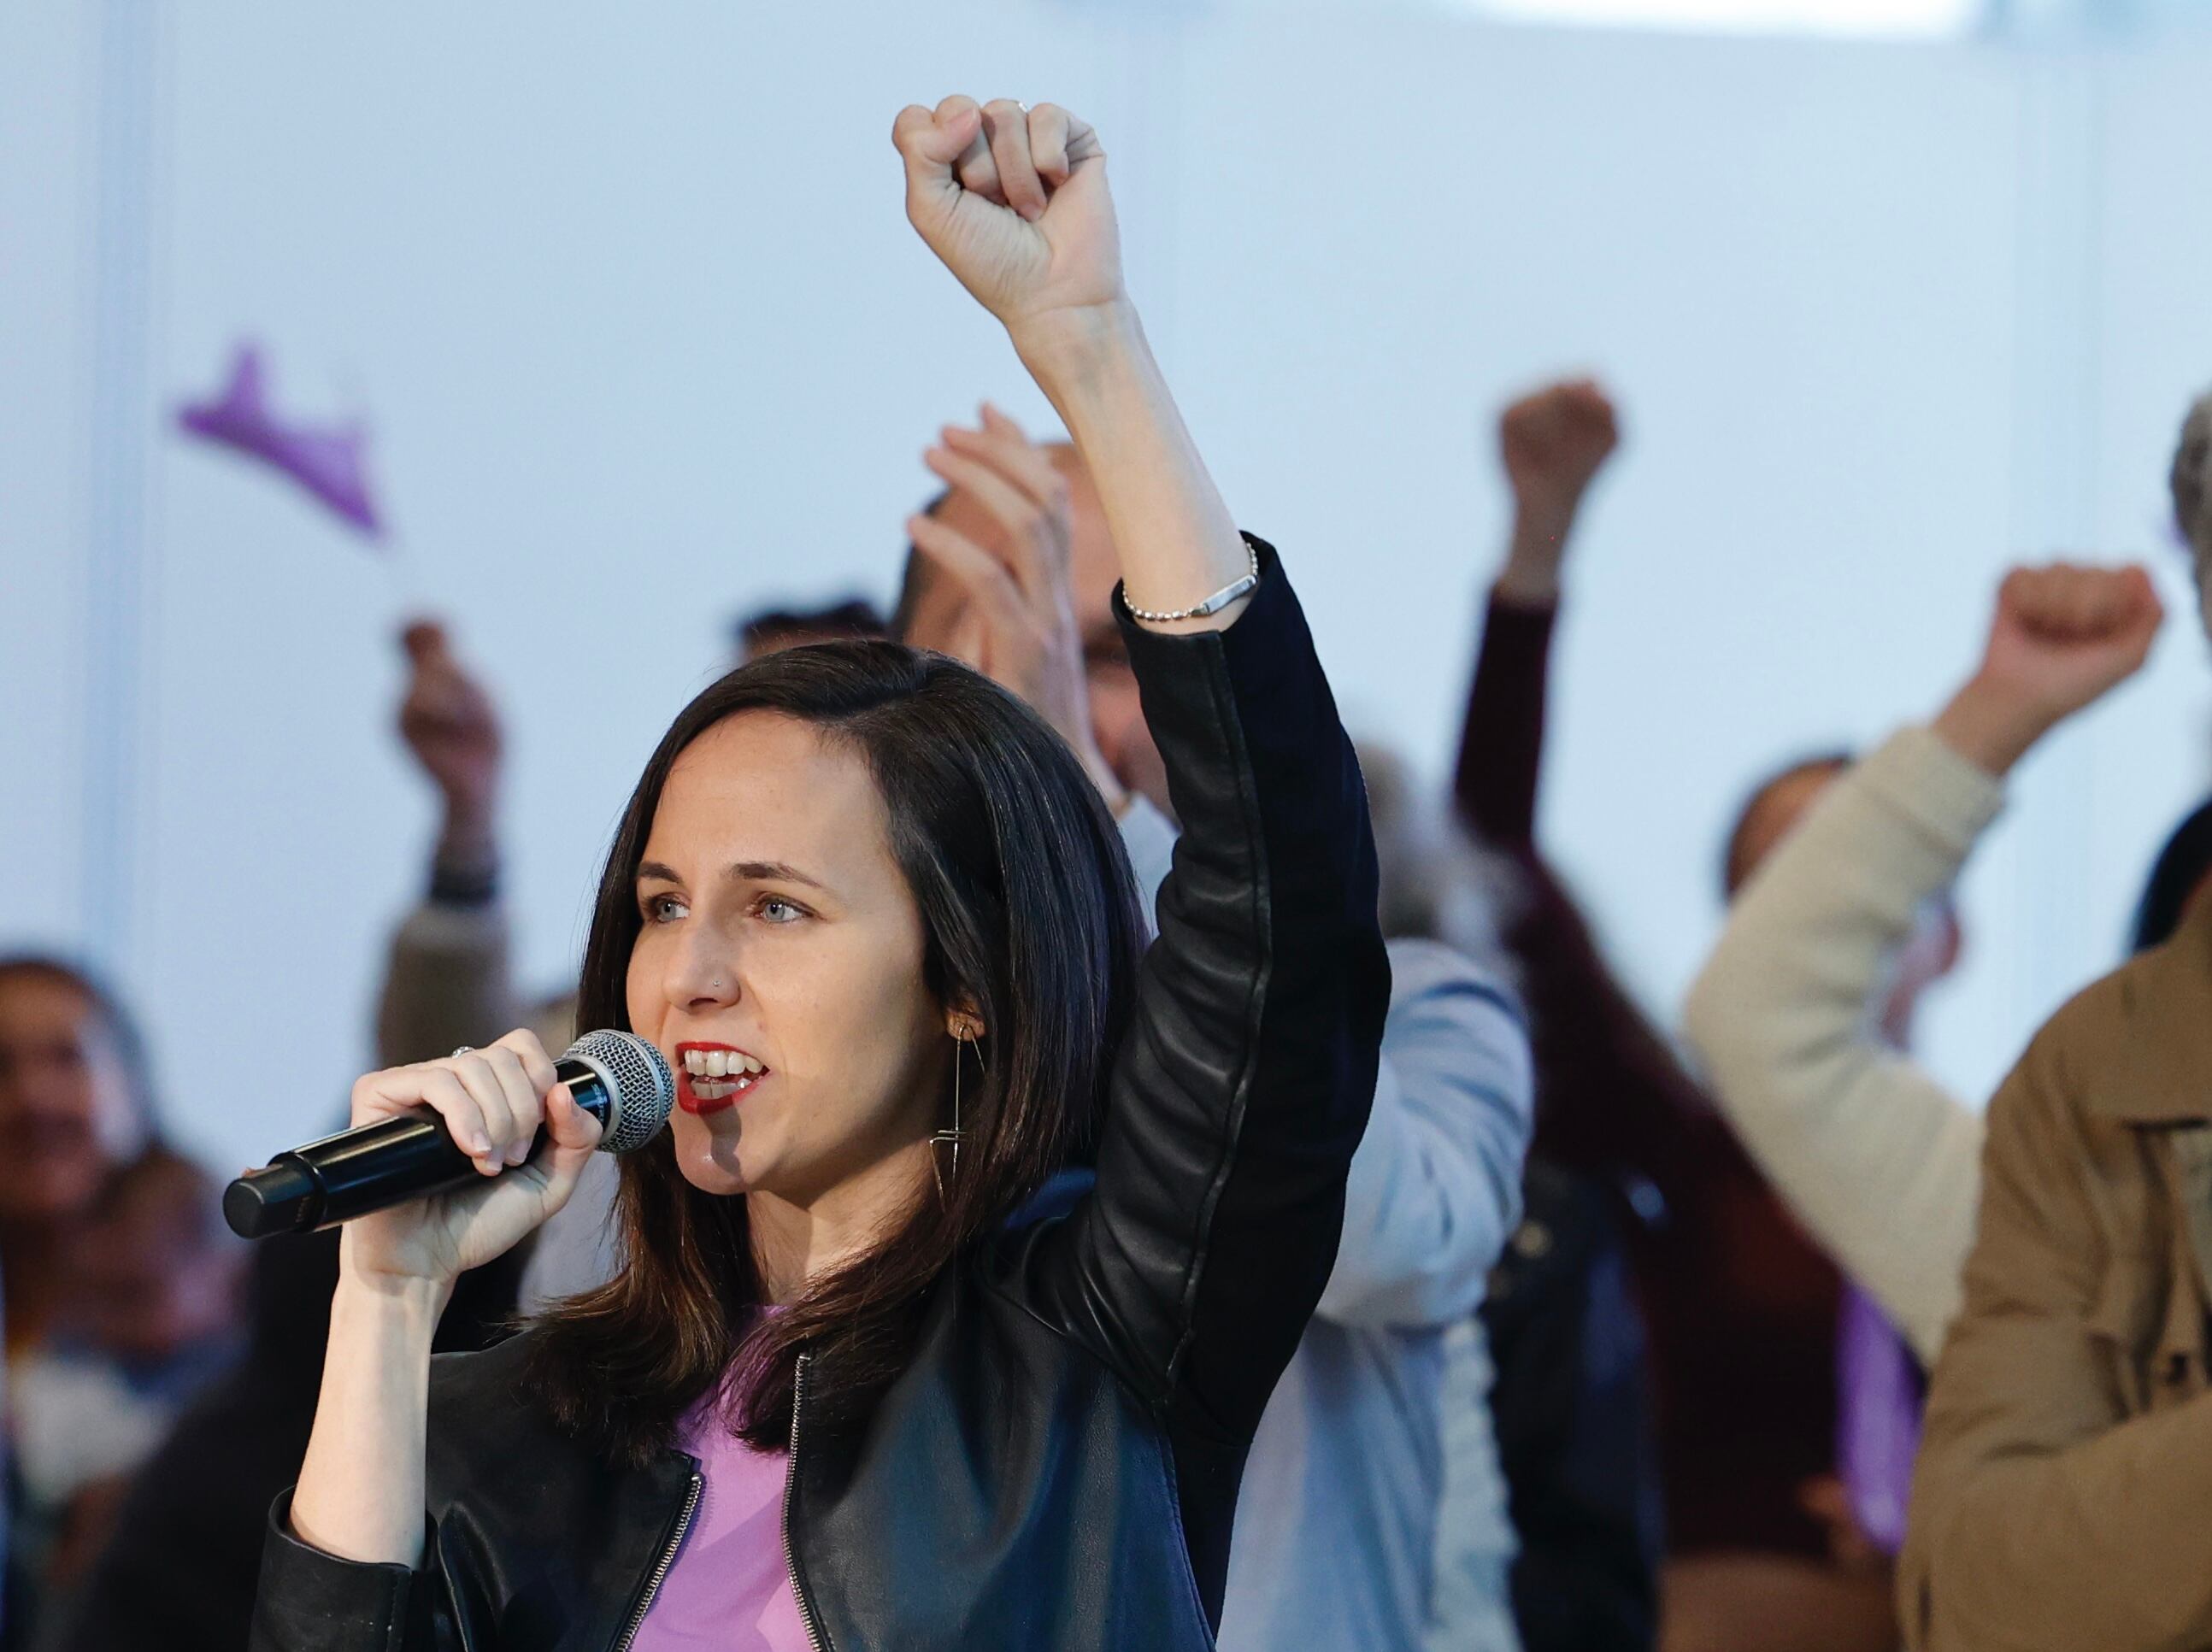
[[667, 1559], [814, 1636]]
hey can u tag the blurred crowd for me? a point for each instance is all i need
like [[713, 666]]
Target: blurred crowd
[[1696, 1308]]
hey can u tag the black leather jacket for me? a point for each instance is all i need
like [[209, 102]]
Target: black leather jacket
[[1058, 1467]]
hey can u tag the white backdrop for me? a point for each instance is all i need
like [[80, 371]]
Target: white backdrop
[[645, 340]]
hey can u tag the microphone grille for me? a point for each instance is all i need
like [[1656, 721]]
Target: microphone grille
[[638, 1079]]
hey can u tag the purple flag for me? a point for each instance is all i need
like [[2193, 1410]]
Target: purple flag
[[327, 463]]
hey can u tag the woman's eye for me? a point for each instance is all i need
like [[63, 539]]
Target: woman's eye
[[663, 908], [777, 910]]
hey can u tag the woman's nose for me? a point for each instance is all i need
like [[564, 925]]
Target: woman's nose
[[703, 974]]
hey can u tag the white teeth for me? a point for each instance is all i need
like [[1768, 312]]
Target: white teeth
[[721, 1064], [711, 1089]]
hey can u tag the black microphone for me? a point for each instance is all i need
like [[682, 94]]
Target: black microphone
[[615, 1077]]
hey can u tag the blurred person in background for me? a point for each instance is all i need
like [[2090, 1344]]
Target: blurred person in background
[[1373, 1512], [153, 1316], [449, 976], [772, 629], [2180, 880], [1567, 1419], [180, 1570], [1096, 694], [1860, 1500], [2182, 877], [1802, 1014], [1771, 812], [1741, 1308], [1840, 923], [118, 1286], [77, 1103], [1553, 1393], [2060, 1492], [1571, 1408]]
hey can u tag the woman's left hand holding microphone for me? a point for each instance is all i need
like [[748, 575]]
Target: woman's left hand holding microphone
[[492, 1101]]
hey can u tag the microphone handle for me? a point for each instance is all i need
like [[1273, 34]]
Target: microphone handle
[[371, 1168]]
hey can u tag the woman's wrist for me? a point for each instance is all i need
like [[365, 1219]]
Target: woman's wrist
[[360, 1491], [391, 1302], [1070, 351], [1177, 543]]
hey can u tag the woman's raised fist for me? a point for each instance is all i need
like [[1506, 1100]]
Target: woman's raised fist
[[1014, 201]]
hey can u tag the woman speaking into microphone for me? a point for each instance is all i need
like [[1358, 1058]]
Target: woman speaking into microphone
[[847, 1389]]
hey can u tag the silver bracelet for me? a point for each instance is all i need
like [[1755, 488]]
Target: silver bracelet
[[1214, 603]]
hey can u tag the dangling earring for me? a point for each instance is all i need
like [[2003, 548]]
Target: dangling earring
[[956, 1135]]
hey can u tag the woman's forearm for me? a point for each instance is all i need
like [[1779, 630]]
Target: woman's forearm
[[359, 1495], [1177, 541]]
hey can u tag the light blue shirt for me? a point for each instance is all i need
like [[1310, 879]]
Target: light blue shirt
[[1373, 1513]]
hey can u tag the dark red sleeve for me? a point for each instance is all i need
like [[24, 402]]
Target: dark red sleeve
[[1741, 1307], [1614, 1100], [1502, 745]]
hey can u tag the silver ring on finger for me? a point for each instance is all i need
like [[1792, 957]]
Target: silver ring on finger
[[1023, 107], [466, 1049]]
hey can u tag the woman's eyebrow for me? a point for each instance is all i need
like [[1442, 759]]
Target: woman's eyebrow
[[757, 872]]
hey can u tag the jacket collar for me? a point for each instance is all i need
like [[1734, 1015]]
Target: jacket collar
[[2157, 1067]]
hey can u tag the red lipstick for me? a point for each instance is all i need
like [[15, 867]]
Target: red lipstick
[[711, 1077]]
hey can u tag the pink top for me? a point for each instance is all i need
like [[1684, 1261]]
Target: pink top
[[729, 1590]]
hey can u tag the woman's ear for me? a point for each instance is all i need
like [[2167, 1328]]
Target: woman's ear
[[964, 1023]]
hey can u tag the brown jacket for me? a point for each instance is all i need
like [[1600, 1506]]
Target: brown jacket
[[2063, 1497]]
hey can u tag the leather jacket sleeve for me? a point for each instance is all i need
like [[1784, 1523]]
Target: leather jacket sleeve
[[1243, 1089], [311, 1599]]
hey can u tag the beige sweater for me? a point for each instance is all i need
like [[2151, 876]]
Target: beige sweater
[[1880, 1161]]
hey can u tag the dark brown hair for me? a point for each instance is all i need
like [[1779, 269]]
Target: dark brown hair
[[1031, 920], [763, 632]]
